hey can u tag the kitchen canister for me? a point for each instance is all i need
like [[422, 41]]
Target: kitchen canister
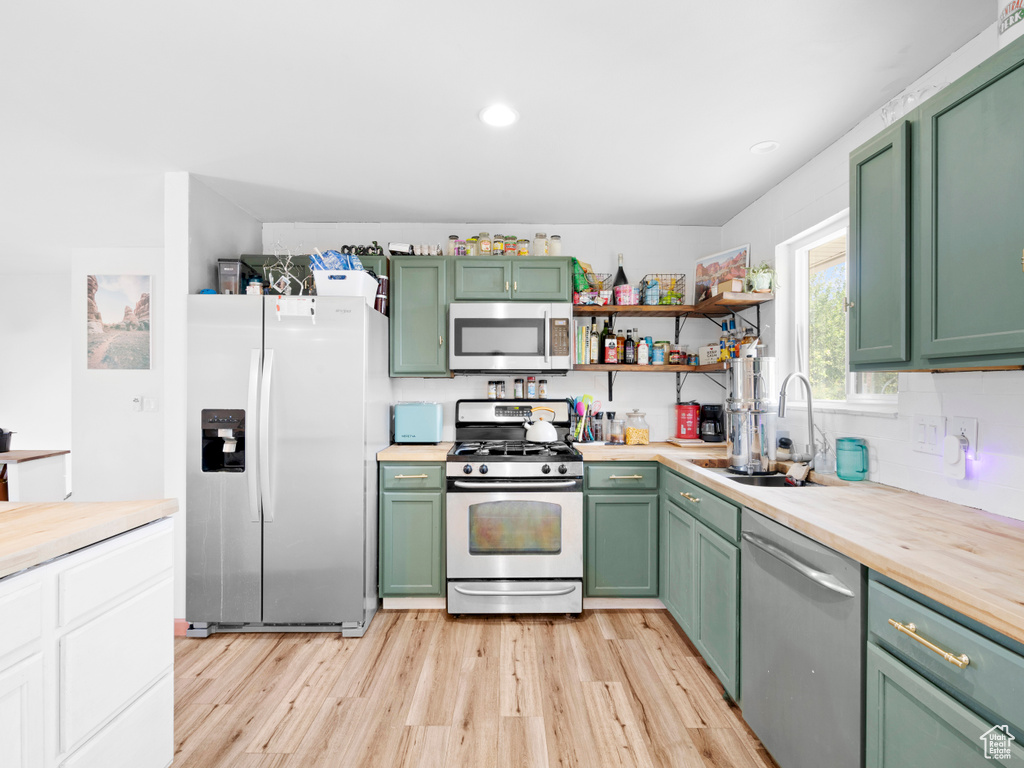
[[851, 458]]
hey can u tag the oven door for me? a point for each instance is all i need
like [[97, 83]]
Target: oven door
[[515, 529], [509, 336]]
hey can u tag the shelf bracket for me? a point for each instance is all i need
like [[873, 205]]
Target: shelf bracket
[[680, 380], [711, 378], [680, 322], [611, 383]]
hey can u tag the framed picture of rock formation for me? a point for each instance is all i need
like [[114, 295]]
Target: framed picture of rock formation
[[713, 269], [118, 322]]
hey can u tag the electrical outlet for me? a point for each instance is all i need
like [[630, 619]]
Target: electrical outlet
[[928, 434], [959, 425]]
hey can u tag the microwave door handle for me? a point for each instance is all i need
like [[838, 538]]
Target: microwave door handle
[[252, 416], [547, 332]]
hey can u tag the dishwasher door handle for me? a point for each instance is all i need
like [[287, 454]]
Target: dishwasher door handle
[[827, 580]]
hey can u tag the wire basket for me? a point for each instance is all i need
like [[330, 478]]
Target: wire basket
[[600, 281], [663, 288]]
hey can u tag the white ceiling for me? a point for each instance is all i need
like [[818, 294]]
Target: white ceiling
[[636, 112]]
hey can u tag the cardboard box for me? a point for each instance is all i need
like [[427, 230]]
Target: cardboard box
[[733, 285]]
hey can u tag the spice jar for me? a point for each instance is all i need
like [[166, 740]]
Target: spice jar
[[637, 431], [483, 241], [518, 389]]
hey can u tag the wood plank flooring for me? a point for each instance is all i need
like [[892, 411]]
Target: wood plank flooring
[[423, 690]]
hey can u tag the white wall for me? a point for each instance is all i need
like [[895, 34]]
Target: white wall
[[645, 249], [820, 189], [117, 453], [35, 361]]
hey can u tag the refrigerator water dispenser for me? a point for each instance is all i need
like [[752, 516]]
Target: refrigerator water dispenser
[[223, 439]]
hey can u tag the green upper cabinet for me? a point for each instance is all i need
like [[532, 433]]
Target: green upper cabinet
[[969, 181], [622, 545], [419, 316], [484, 279], [526, 279], [379, 264], [879, 328], [541, 279]]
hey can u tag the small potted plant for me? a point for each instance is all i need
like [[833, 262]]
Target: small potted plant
[[762, 278]]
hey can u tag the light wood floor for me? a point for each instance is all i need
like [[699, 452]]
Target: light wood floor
[[609, 688]]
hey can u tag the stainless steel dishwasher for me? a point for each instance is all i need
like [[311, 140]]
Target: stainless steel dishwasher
[[802, 665]]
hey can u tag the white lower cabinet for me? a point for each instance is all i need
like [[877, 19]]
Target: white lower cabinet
[[86, 656]]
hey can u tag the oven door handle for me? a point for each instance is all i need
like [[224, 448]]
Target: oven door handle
[[514, 593], [486, 485]]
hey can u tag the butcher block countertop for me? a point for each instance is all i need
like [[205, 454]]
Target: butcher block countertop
[[967, 559], [17, 457], [403, 452], [31, 534]]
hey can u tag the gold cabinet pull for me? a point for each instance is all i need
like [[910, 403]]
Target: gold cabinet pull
[[506, 286], [515, 285], [411, 477], [910, 630], [625, 477], [440, 341], [694, 499]]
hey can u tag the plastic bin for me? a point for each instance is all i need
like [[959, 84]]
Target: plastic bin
[[352, 282]]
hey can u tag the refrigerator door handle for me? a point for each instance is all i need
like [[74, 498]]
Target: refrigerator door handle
[[268, 502], [252, 417]]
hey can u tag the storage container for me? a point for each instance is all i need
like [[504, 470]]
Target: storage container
[[353, 282]]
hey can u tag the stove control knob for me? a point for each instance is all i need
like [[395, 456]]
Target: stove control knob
[[468, 469], [546, 469], [483, 469], [562, 469]]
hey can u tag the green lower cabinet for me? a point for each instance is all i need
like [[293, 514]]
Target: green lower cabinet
[[911, 723], [678, 534], [412, 544], [622, 545], [716, 623]]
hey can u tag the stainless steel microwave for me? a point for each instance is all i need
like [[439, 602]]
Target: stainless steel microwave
[[509, 336]]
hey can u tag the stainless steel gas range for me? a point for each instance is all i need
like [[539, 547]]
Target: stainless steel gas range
[[514, 512]]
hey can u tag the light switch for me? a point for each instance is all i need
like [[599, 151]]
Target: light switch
[[149, 404], [928, 432]]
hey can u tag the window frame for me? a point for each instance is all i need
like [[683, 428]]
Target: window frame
[[791, 260]]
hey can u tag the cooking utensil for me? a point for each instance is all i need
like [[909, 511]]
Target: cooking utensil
[[540, 431]]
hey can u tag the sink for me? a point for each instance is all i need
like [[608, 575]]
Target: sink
[[766, 481]]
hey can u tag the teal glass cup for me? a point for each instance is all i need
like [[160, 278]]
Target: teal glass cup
[[851, 458]]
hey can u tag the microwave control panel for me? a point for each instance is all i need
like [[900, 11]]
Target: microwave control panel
[[559, 337]]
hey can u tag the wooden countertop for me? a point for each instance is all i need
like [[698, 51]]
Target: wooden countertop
[[31, 534], [965, 558], [404, 452], [16, 457]]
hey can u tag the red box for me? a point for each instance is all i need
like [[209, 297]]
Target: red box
[[687, 420]]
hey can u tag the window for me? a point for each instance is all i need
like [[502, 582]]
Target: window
[[814, 267]]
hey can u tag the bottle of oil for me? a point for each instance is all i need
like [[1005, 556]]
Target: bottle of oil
[[595, 343], [630, 349], [620, 341]]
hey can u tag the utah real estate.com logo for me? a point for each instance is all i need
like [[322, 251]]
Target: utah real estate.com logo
[[997, 742]]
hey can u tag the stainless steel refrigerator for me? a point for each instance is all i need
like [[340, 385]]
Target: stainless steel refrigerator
[[287, 407]]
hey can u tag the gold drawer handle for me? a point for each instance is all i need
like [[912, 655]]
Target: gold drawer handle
[[506, 286], [411, 477], [911, 631], [625, 477], [694, 499]]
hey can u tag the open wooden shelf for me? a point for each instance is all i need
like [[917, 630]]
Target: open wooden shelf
[[605, 367], [723, 304]]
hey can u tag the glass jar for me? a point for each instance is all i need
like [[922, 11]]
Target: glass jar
[[675, 355], [531, 387], [498, 245], [540, 244], [662, 353], [523, 247], [616, 433], [542, 389], [492, 390], [555, 245], [517, 389], [460, 247], [637, 431], [453, 241], [510, 245], [471, 247], [483, 241]]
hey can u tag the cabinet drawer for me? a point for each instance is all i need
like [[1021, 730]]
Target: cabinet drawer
[[21, 616], [100, 580], [994, 677], [412, 477], [714, 511], [622, 476]]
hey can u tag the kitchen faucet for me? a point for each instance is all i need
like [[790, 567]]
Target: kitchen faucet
[[810, 411]]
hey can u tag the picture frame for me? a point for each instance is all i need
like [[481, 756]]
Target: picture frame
[[118, 324], [711, 270]]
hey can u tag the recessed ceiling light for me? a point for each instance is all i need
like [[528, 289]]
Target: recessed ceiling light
[[764, 147], [498, 115]]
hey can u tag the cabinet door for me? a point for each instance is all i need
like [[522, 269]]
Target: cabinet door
[[717, 618], [418, 317], [678, 575], [489, 279], [911, 723], [879, 249], [622, 545], [543, 279], [379, 264], [411, 544], [22, 732], [971, 227]]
